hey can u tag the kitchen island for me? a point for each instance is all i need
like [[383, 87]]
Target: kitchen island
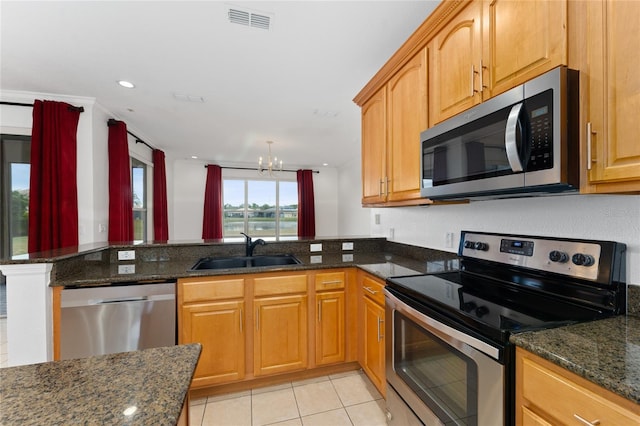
[[146, 387]]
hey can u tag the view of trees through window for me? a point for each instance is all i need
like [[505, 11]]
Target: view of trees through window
[[14, 187], [139, 186], [260, 208]]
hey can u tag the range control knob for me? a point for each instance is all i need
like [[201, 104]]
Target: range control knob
[[482, 311], [558, 256], [582, 259], [468, 244], [469, 306], [481, 246]]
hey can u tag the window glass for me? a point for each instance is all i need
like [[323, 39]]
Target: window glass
[[15, 153], [139, 185], [260, 208]]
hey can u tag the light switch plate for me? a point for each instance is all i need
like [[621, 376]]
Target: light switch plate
[[347, 246], [315, 247], [126, 269], [126, 254]]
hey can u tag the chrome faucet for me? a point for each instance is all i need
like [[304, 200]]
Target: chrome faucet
[[251, 245]]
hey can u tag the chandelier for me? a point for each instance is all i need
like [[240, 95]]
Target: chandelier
[[272, 164]]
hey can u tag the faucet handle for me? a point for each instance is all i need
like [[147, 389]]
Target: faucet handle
[[248, 237]]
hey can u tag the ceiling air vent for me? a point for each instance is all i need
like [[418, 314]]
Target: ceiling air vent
[[249, 19]]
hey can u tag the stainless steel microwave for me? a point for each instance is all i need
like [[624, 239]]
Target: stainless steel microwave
[[522, 142]]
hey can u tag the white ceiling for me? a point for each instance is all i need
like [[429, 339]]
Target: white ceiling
[[293, 84]]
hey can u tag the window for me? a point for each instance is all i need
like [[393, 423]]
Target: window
[[260, 208], [139, 184], [15, 155]]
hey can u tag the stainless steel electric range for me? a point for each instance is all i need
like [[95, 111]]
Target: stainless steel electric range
[[449, 360]]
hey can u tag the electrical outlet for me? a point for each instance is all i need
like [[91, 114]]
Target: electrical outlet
[[315, 247], [102, 228], [376, 218], [347, 246], [347, 257], [315, 259], [448, 239], [126, 254], [126, 269], [392, 233]]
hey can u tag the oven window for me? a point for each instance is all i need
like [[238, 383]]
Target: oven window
[[443, 377]]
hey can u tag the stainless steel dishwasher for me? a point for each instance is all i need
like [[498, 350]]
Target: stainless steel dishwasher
[[122, 318]]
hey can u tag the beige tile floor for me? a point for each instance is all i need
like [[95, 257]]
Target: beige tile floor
[[343, 399]]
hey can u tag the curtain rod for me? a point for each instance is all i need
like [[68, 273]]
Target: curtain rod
[[138, 140], [71, 107], [256, 169]]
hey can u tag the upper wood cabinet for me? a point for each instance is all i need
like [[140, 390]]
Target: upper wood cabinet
[[611, 130], [392, 120], [491, 46], [455, 55]]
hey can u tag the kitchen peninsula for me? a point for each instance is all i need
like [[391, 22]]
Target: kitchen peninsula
[[134, 388]]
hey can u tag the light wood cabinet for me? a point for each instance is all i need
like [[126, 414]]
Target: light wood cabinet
[[547, 394], [491, 46], [252, 326], [207, 316], [372, 317], [392, 120], [455, 55], [611, 149], [330, 324], [280, 334]]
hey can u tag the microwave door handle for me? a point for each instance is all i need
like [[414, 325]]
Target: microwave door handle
[[510, 138]]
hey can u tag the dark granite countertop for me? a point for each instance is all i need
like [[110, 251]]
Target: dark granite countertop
[[151, 384], [606, 352]]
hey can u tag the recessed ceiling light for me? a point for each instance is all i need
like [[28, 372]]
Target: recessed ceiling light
[[325, 164], [194, 157], [126, 84]]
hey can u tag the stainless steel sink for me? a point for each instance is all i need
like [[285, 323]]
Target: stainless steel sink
[[211, 263]]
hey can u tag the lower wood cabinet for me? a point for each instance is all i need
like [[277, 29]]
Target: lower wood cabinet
[[207, 316], [547, 394], [330, 321], [280, 334], [372, 326]]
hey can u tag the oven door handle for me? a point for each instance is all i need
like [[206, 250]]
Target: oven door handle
[[448, 334], [510, 138]]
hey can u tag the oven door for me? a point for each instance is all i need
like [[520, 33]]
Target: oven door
[[439, 373]]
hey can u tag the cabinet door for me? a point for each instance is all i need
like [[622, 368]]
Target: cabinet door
[[219, 328], [374, 140], [521, 39], [614, 90], [407, 113], [454, 57], [280, 334], [330, 327], [373, 362]]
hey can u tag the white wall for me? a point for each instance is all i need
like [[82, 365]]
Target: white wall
[[598, 217], [353, 219], [187, 204]]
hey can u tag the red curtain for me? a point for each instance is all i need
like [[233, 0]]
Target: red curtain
[[212, 219], [53, 192], [160, 220], [306, 204], [120, 191]]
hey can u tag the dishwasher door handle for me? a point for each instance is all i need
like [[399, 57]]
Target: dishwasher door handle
[[118, 300]]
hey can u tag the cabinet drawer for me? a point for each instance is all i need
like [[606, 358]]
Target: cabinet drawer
[[373, 290], [330, 281], [284, 284], [198, 289], [565, 400]]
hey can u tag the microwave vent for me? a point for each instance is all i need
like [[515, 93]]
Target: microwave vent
[[248, 18]]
